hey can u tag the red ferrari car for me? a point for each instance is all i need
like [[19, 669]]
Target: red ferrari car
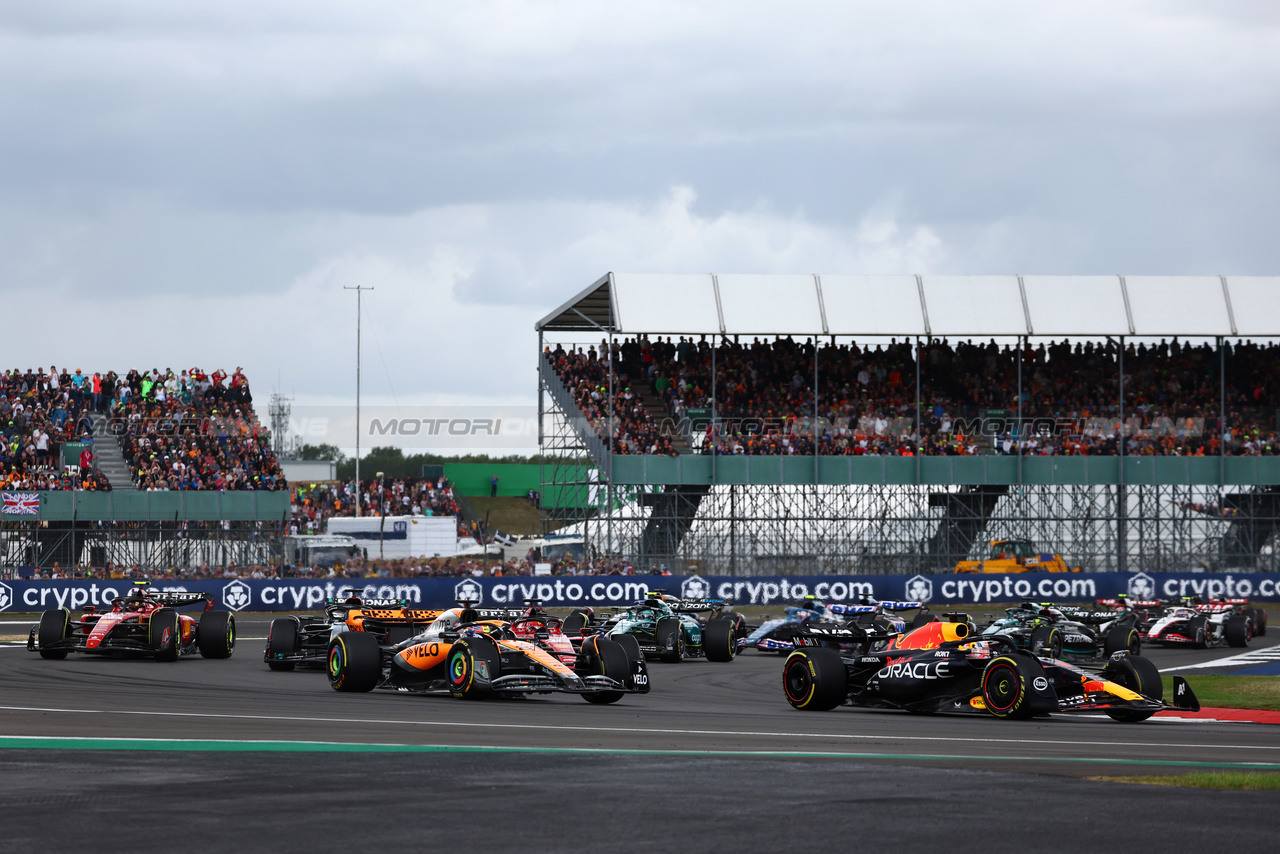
[[143, 622]]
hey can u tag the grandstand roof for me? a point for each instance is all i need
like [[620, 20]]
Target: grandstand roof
[[804, 304]]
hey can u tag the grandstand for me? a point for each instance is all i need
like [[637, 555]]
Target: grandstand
[[1127, 421], [153, 468]]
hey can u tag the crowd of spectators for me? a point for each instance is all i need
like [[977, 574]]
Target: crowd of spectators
[[177, 430], [40, 412], [969, 395], [313, 503], [357, 568], [189, 431], [586, 376]]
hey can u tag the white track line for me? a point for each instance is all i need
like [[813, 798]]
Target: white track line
[[637, 730], [1255, 656]]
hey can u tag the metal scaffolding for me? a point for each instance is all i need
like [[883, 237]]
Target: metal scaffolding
[[769, 529], [148, 545]]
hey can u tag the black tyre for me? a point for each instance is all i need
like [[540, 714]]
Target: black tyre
[[282, 640], [1137, 674], [719, 640], [574, 623], [164, 633], [355, 662], [669, 635], [1260, 623], [55, 626], [1007, 684], [630, 646], [1237, 630], [607, 657], [1046, 641], [814, 679], [1198, 628], [472, 663], [921, 619], [216, 634], [1122, 639]]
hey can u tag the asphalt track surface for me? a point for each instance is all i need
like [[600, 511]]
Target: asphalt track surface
[[278, 761]]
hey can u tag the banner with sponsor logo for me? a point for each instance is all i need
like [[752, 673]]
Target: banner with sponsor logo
[[296, 594]]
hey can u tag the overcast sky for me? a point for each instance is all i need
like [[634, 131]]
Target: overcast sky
[[193, 183]]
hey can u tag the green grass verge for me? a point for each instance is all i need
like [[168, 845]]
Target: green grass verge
[[1233, 692], [1205, 780]]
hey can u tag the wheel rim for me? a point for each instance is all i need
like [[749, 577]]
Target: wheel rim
[[335, 662], [1001, 688], [797, 682]]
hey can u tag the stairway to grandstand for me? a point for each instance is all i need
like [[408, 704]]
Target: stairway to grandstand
[[112, 464], [658, 413]]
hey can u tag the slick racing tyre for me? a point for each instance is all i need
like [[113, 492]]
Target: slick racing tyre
[[1198, 628], [1046, 641], [355, 662], [282, 640], [630, 646], [55, 626], [216, 634], [815, 679], [719, 640], [575, 622], [471, 664], [1237, 630], [1137, 674], [1007, 684], [604, 656], [164, 634], [1122, 639], [1260, 623], [669, 635]]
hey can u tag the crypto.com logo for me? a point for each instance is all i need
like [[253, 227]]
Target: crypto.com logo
[[236, 595], [6, 596], [695, 587], [918, 589], [468, 591], [1142, 586]]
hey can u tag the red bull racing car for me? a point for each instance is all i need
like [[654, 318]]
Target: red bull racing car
[[143, 622], [939, 667]]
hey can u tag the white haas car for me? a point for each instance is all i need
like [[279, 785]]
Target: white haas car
[[1191, 622]]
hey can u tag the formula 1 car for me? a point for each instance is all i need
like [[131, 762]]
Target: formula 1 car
[[1201, 625], [475, 660], [1041, 628], [668, 628], [1149, 611], [776, 635], [294, 640], [141, 623], [940, 667]]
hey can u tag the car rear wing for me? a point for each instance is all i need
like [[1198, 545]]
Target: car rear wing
[[699, 606], [851, 634]]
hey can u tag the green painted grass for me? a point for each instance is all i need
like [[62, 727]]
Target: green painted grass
[[1232, 692], [1238, 780]]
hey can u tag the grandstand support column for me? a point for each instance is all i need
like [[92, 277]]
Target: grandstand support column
[[1122, 499], [919, 443], [1222, 436], [542, 439], [1017, 436], [609, 446], [715, 427]]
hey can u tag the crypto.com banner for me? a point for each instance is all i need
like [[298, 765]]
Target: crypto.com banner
[[568, 591]]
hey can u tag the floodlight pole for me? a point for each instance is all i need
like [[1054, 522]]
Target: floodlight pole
[[359, 289]]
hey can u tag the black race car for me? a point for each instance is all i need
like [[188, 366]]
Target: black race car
[[956, 672], [1042, 628]]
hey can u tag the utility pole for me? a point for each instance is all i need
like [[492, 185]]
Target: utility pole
[[359, 289]]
